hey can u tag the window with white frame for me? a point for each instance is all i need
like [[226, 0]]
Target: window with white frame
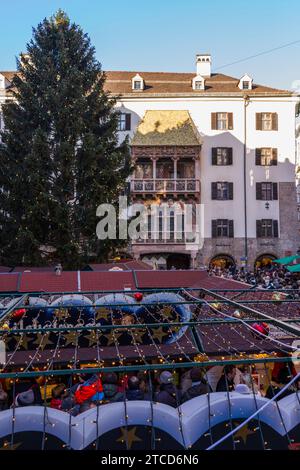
[[198, 85], [266, 119], [266, 228], [121, 122], [266, 191], [223, 156], [222, 121], [266, 156], [137, 84], [222, 191], [222, 228]]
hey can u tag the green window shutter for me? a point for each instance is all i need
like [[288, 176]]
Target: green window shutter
[[214, 191], [275, 192], [258, 228], [258, 192], [275, 228], [214, 151], [128, 122], [258, 157], [214, 229], [231, 231]]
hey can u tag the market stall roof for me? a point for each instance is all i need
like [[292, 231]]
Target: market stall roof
[[294, 269], [287, 259]]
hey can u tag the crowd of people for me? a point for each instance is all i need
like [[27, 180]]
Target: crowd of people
[[271, 276], [170, 388]]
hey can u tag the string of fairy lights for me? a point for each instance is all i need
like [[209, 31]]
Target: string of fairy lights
[[210, 309]]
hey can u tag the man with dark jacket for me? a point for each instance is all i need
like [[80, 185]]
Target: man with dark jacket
[[226, 382], [199, 385], [110, 388], [168, 393], [134, 391]]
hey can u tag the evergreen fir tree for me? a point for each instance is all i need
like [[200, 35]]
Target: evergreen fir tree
[[60, 156]]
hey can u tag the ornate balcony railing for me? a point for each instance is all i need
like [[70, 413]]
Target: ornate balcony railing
[[165, 238], [178, 185]]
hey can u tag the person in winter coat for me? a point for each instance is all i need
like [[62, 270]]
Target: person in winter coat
[[283, 378], [226, 382], [57, 393], [110, 388], [32, 397], [168, 393], [134, 391], [199, 385], [91, 389]]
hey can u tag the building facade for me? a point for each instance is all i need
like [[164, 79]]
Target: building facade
[[224, 143], [225, 147]]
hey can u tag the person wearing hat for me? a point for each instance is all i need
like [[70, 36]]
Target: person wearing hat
[[29, 398], [283, 378], [134, 391], [110, 388], [199, 384], [168, 393]]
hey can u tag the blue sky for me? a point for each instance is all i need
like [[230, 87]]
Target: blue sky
[[165, 35]]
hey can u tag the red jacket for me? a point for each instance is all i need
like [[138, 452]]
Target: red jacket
[[87, 390], [56, 403]]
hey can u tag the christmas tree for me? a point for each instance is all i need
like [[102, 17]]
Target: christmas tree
[[60, 156]]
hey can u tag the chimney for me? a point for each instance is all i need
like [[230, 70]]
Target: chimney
[[203, 62]]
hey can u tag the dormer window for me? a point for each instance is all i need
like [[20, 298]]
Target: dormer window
[[245, 83], [198, 83], [137, 83]]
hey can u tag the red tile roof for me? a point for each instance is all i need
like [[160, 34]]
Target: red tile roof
[[9, 282], [177, 279], [49, 282], [160, 83], [106, 280], [90, 281], [171, 83]]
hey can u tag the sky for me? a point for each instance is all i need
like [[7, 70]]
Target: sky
[[166, 35]]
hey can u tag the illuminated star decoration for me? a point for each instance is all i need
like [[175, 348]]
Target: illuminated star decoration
[[167, 311], [159, 334], [243, 433], [8, 446], [61, 314], [24, 341], [138, 335], [102, 313], [70, 338], [112, 337], [42, 341], [129, 437], [92, 338]]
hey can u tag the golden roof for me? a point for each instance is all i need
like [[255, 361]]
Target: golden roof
[[166, 128]]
